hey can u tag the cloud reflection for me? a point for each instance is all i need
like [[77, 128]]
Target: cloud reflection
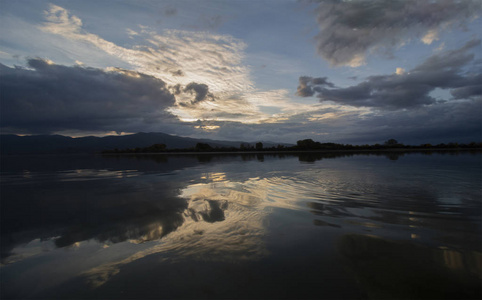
[[224, 221], [176, 210]]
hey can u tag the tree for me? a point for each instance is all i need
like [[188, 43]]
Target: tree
[[155, 148], [203, 147], [259, 146], [391, 142], [308, 144]]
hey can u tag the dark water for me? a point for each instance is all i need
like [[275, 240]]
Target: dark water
[[227, 226]]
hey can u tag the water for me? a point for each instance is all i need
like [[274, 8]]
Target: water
[[233, 226]]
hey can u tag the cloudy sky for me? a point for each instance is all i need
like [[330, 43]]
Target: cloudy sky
[[278, 70]]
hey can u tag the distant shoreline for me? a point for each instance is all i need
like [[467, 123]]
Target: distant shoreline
[[398, 150]]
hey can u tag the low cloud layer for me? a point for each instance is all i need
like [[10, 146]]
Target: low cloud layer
[[351, 30], [46, 98], [451, 121], [410, 89]]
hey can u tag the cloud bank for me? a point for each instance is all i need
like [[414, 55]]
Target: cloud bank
[[46, 98], [351, 30], [451, 121], [449, 70]]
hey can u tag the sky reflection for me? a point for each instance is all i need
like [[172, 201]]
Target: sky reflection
[[119, 212]]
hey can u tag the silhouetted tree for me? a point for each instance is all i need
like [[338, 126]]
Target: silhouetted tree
[[391, 143], [155, 148], [203, 147], [307, 144]]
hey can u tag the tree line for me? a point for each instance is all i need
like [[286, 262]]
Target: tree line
[[301, 145]]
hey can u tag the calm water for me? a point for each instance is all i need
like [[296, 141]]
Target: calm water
[[227, 226]]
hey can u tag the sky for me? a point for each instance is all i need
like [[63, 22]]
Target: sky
[[357, 72]]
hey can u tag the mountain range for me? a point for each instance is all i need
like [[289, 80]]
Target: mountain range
[[42, 144]]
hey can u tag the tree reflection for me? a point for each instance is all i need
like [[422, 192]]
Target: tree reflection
[[311, 157]]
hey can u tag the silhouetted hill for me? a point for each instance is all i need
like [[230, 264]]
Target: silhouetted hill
[[13, 144]]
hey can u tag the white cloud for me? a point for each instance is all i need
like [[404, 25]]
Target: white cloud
[[182, 57], [131, 32], [59, 21], [215, 60], [357, 61], [432, 35]]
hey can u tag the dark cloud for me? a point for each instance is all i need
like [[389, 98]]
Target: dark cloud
[[201, 92], [176, 89], [47, 97], [177, 73], [352, 29], [449, 60], [409, 89], [308, 84], [474, 91]]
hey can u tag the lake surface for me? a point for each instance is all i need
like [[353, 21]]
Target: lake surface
[[242, 226]]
